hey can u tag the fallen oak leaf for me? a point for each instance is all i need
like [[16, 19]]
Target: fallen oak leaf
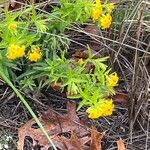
[[96, 139], [22, 133], [74, 143], [65, 123], [36, 135], [120, 98], [120, 144], [55, 124], [57, 142], [63, 143]]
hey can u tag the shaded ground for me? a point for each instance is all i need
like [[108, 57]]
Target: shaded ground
[[13, 115]]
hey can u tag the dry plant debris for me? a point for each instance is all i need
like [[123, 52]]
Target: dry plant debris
[[120, 144], [14, 4], [96, 138], [57, 126]]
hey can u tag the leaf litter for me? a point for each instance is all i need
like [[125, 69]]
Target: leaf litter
[[120, 144], [59, 127]]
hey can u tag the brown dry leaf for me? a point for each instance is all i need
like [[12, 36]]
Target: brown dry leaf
[[120, 98], [96, 139], [92, 30], [74, 143], [120, 144], [13, 4], [55, 124], [35, 134], [65, 123], [59, 127], [80, 53]]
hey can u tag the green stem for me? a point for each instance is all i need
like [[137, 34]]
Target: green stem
[[28, 107]]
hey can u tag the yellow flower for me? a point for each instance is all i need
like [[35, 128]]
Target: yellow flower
[[12, 26], [80, 61], [21, 51], [105, 21], [112, 79], [15, 51], [96, 14], [97, 10], [98, 3], [35, 55], [110, 7], [101, 109]]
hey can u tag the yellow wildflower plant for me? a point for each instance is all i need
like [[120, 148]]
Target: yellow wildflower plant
[[35, 54], [102, 13], [12, 27], [96, 13], [15, 51], [97, 10], [72, 89], [110, 7], [101, 109], [105, 21], [98, 3], [112, 80]]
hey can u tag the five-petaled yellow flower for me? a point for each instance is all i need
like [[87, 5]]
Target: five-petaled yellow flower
[[105, 21], [15, 51], [35, 55], [12, 26], [101, 109], [112, 80]]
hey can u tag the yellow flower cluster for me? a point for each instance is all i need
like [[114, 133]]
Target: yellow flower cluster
[[101, 109], [105, 21], [15, 51], [102, 14], [12, 27], [97, 10], [112, 80], [35, 54]]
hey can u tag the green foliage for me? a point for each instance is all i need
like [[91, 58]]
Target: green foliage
[[70, 11], [27, 82], [32, 52], [53, 43], [21, 34], [89, 84]]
